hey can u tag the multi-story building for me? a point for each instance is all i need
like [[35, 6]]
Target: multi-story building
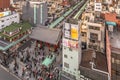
[[7, 18], [92, 31], [113, 26], [71, 50], [95, 36], [35, 12]]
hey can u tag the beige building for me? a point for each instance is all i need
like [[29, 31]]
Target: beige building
[[95, 39], [92, 31]]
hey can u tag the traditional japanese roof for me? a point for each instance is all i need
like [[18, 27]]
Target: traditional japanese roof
[[47, 35]]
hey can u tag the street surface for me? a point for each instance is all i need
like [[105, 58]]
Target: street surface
[[4, 75]]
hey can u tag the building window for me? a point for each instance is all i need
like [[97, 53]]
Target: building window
[[93, 36], [94, 28], [70, 49], [117, 61], [113, 60], [74, 69], [65, 56], [84, 34], [66, 65], [118, 73], [15, 16], [2, 20], [97, 28], [2, 26]]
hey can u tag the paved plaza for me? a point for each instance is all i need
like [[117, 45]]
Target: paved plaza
[[27, 63]]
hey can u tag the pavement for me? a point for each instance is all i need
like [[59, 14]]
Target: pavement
[[6, 75]]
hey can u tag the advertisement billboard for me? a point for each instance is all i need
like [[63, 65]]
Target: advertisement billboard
[[70, 43], [74, 32], [1, 14], [6, 13]]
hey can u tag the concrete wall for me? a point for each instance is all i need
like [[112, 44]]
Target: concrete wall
[[7, 20]]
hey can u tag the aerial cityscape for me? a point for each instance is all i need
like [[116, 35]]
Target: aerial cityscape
[[59, 39]]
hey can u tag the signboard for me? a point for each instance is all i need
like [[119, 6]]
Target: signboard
[[98, 7], [70, 43], [67, 34], [1, 14], [74, 32], [67, 30], [67, 26], [73, 44], [6, 13], [71, 31], [65, 42]]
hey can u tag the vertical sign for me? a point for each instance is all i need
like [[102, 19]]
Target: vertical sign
[[74, 32], [67, 30], [98, 7]]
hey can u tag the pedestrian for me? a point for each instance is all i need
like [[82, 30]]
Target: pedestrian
[[23, 71]]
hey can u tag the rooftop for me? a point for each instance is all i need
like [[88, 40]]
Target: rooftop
[[47, 35], [98, 58], [14, 26], [100, 61], [110, 17]]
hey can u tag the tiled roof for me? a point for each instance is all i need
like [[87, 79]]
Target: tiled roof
[[110, 17]]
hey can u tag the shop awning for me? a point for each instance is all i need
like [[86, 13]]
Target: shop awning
[[47, 35], [111, 23]]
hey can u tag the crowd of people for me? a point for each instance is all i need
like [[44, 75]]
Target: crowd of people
[[27, 64]]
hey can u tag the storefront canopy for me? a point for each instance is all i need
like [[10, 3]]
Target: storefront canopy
[[47, 35], [111, 23]]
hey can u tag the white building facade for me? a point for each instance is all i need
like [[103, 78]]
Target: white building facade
[[9, 19], [71, 50]]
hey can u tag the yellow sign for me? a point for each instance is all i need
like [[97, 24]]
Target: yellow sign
[[1, 14], [74, 33]]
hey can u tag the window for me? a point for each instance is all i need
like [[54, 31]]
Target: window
[[70, 49], [117, 61], [74, 69], [2, 20], [65, 56], [66, 65], [2, 26], [15, 16], [93, 36], [95, 28], [113, 61], [118, 73], [91, 27]]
